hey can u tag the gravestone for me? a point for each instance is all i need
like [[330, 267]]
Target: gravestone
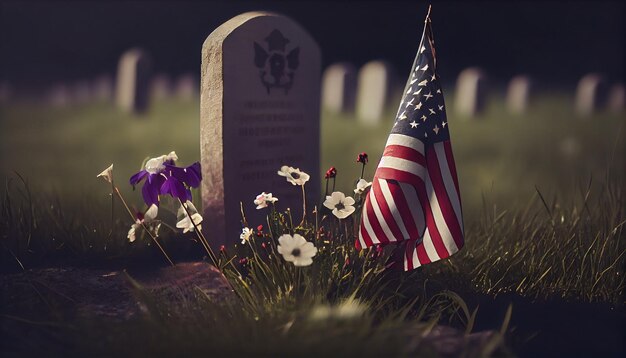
[[187, 87], [470, 92], [375, 84], [339, 88], [160, 87], [590, 94], [616, 98], [259, 110], [518, 94], [133, 78], [102, 88]]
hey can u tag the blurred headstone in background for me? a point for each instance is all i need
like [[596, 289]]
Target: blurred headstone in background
[[187, 87], [81, 93], [59, 96], [471, 90], [259, 110], [375, 85], [590, 94], [133, 78], [5, 92], [339, 88], [518, 94], [102, 88], [160, 87], [616, 98]]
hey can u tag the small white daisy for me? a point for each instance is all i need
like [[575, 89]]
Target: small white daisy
[[246, 232], [264, 198], [294, 175], [185, 222], [340, 204], [296, 249], [362, 186]]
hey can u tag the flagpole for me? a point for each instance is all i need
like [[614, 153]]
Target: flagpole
[[428, 14]]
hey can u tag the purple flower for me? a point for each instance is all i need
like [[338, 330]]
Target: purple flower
[[163, 177]]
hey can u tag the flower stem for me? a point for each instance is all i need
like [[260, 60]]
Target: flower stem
[[362, 170], [334, 180], [303, 206], [326, 192], [119, 195], [201, 237]]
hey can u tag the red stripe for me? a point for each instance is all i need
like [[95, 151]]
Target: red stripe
[[371, 216], [430, 223], [408, 255], [442, 197], [450, 157], [408, 153], [398, 175], [384, 209], [366, 237]]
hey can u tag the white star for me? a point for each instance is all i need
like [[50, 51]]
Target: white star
[[428, 95], [436, 129], [431, 111], [425, 135], [410, 102], [419, 105], [409, 90], [438, 91], [414, 124], [417, 92], [432, 78], [413, 81], [423, 118], [425, 67], [440, 107], [443, 124], [423, 49], [423, 83], [402, 116]]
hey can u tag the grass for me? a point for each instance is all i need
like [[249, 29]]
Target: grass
[[543, 202]]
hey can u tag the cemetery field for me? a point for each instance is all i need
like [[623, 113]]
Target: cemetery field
[[543, 201]]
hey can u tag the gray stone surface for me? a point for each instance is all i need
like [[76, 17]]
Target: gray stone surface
[[81, 92], [518, 94], [59, 96], [590, 94], [339, 88], [5, 92], [617, 97], [133, 79], [187, 87], [470, 92], [259, 110], [375, 86]]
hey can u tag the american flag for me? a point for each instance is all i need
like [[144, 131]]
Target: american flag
[[414, 200]]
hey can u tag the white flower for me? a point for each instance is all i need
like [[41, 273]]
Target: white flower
[[149, 216], [156, 165], [296, 249], [262, 200], [340, 204], [185, 222], [246, 232], [107, 174], [293, 175], [362, 186]]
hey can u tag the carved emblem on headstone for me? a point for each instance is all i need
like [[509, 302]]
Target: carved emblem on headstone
[[276, 66]]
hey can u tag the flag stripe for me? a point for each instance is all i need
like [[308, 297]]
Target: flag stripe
[[389, 233], [440, 222], [377, 231], [426, 251], [451, 190], [448, 148], [431, 225], [407, 153], [402, 165], [405, 141], [365, 222], [390, 201], [415, 217]]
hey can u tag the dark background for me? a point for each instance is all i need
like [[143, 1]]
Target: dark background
[[556, 42]]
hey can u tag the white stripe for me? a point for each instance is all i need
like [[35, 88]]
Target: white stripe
[[361, 240], [368, 227], [406, 141], [381, 217], [429, 246], [442, 227], [416, 261], [402, 165], [414, 206], [384, 188], [448, 182]]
